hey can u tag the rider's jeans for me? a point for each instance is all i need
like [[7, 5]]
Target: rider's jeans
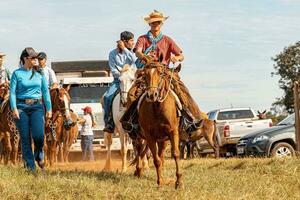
[[87, 147], [108, 98], [31, 126]]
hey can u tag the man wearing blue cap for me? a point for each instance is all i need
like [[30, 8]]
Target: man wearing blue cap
[[48, 72]]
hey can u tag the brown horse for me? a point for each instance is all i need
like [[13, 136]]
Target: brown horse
[[8, 130], [56, 135], [158, 119]]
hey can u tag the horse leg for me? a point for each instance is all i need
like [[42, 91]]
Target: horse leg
[[156, 160], [60, 152], [8, 147], [211, 137], [139, 148], [46, 150], [53, 149], [66, 146], [15, 151], [161, 149], [108, 142], [123, 140], [176, 153], [145, 159]]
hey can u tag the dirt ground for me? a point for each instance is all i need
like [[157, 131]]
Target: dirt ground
[[75, 162]]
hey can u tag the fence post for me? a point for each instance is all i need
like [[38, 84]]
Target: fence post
[[297, 117]]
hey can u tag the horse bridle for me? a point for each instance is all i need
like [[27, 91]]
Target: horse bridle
[[158, 87]]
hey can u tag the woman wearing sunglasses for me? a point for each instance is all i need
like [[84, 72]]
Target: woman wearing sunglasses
[[28, 87]]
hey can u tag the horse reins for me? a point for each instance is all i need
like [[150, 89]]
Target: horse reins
[[158, 88]]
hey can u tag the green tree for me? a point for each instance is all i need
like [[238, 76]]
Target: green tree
[[287, 66]]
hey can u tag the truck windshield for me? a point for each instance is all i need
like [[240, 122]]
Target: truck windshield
[[87, 93], [235, 114]]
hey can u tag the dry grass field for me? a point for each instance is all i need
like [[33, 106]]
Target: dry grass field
[[204, 179]]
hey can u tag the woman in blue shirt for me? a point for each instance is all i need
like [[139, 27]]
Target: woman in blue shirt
[[27, 89]]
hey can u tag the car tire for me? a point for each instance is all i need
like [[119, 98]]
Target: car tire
[[283, 149]]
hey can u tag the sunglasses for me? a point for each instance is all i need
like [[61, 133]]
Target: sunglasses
[[31, 58], [157, 22]]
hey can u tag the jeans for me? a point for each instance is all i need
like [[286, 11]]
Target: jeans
[[31, 126], [108, 98], [87, 147]]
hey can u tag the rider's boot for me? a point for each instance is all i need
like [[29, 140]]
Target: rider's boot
[[109, 127], [129, 120], [190, 123]]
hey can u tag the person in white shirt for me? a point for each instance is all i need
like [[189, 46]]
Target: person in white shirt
[[48, 72], [87, 135], [4, 73]]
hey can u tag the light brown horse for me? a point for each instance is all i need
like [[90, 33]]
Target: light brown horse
[[8, 130], [158, 119], [57, 136]]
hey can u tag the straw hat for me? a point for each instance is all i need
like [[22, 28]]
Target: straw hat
[[2, 54], [155, 16]]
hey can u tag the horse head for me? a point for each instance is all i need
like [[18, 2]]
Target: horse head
[[127, 77], [4, 90], [61, 101], [262, 115], [156, 76]]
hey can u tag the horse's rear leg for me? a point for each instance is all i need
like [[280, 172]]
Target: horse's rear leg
[[176, 155], [108, 143], [7, 147], [157, 161], [211, 137], [139, 148]]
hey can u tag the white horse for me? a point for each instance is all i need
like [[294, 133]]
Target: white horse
[[127, 78]]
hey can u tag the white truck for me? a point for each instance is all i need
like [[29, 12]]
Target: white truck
[[232, 124], [88, 80]]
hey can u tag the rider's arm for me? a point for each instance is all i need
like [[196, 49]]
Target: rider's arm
[[112, 65], [176, 51], [13, 87], [53, 79]]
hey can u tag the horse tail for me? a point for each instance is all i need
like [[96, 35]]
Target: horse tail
[[217, 137], [141, 155]]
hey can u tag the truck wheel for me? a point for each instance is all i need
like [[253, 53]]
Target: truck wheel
[[282, 149]]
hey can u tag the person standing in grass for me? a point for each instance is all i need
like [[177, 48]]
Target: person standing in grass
[[28, 87], [87, 136]]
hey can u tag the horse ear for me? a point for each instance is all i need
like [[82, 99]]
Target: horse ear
[[258, 112], [178, 68], [264, 111], [68, 88]]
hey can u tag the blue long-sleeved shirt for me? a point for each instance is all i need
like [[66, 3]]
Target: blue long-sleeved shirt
[[119, 59], [22, 87]]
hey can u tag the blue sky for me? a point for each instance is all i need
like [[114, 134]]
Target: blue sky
[[227, 45]]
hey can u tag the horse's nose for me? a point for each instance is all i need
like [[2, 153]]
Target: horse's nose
[[152, 95], [155, 95]]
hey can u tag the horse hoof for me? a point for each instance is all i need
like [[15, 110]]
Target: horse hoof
[[179, 185], [138, 173]]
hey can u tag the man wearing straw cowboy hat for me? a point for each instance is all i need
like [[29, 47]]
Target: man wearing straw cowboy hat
[[156, 45]]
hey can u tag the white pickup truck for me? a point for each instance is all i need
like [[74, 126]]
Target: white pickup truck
[[232, 124]]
